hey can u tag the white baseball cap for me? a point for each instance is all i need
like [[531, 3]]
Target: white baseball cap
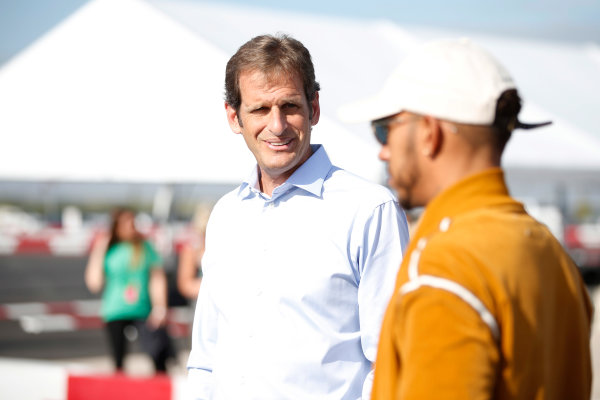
[[453, 80]]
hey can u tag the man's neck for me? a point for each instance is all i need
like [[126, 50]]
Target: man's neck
[[268, 183]]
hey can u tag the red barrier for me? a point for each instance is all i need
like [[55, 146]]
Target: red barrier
[[33, 245], [116, 387]]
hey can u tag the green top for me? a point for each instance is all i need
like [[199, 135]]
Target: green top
[[126, 294]]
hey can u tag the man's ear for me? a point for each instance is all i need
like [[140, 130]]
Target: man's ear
[[232, 118], [433, 138], [316, 110]]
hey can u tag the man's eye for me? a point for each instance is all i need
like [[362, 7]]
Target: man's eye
[[290, 106], [260, 110]]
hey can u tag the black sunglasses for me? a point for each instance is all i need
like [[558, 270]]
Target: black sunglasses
[[381, 127]]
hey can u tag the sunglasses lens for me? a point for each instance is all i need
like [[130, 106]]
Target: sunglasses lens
[[381, 133]]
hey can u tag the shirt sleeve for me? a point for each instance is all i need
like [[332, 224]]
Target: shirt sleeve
[[154, 259], [204, 340], [383, 243], [447, 350]]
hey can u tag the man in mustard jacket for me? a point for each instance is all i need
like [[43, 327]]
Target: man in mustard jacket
[[487, 303]]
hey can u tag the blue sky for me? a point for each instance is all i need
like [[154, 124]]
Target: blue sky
[[23, 21]]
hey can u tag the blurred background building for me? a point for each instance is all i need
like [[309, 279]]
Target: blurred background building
[[120, 102]]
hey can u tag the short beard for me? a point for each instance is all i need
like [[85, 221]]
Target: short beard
[[408, 202], [414, 177], [405, 204]]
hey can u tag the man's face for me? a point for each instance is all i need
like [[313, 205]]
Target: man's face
[[274, 120], [400, 154]]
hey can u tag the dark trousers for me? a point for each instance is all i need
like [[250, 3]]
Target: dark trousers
[[154, 342]]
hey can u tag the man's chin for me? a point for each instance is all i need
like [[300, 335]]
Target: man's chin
[[278, 169], [406, 204], [404, 199]]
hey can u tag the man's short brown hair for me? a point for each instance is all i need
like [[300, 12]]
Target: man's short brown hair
[[270, 54]]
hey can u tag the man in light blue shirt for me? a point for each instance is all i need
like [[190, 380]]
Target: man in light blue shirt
[[301, 259]]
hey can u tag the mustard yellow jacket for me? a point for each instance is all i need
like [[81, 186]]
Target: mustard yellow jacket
[[487, 306]]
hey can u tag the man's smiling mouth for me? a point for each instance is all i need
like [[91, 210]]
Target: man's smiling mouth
[[279, 144]]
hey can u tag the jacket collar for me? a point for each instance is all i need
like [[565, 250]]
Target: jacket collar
[[480, 190]]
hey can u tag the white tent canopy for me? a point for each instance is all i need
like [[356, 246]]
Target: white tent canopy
[[131, 90], [353, 58], [121, 92], [559, 146]]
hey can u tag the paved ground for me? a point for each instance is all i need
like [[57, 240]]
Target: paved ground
[[136, 364], [44, 279], [26, 278]]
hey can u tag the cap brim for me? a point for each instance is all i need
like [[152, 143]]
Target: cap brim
[[526, 126]]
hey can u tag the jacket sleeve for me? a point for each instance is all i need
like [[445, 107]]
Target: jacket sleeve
[[204, 340], [448, 351], [383, 243]]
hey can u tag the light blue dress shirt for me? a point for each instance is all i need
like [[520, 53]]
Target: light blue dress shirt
[[295, 287]]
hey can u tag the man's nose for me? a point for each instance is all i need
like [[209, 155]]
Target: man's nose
[[384, 153], [277, 121]]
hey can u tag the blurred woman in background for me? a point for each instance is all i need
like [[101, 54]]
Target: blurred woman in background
[[129, 270], [189, 270]]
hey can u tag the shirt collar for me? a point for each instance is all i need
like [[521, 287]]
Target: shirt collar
[[309, 176]]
